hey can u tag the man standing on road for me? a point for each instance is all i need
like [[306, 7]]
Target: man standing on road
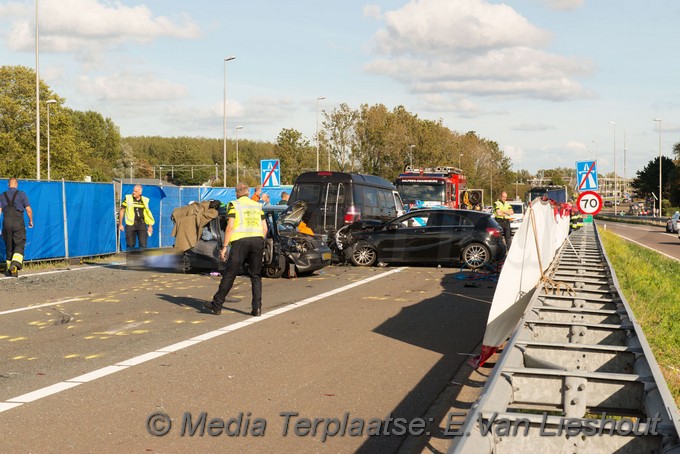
[[503, 213], [135, 218], [257, 194], [13, 204], [245, 232]]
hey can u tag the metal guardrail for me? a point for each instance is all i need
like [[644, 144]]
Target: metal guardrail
[[577, 374]]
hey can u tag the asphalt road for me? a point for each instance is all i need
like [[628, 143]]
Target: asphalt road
[[87, 355], [653, 237]]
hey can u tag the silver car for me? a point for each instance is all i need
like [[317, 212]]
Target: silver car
[[673, 223]]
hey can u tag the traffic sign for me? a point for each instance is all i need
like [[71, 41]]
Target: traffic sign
[[589, 202], [270, 172], [586, 173]]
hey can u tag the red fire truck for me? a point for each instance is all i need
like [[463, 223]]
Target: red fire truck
[[427, 187]]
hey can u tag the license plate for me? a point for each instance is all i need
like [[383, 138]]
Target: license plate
[[326, 255]]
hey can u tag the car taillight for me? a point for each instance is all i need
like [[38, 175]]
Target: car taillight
[[494, 232], [353, 214]]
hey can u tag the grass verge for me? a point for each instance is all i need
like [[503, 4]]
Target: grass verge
[[650, 283]]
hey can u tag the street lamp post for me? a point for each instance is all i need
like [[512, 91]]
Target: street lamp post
[[615, 197], [595, 142], [237, 128], [459, 158], [410, 154], [319, 98], [48, 102], [37, 98], [224, 129], [660, 187]]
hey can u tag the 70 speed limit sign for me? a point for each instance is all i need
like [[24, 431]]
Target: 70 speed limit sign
[[589, 202]]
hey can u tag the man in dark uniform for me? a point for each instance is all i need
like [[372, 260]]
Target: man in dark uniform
[[13, 204], [246, 231]]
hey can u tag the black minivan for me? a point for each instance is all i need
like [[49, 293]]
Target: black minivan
[[336, 199]]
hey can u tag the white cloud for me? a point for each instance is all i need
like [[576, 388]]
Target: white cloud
[[86, 26], [472, 48], [440, 26], [130, 87]]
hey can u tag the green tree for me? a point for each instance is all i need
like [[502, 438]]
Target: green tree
[[340, 125], [295, 154], [646, 181]]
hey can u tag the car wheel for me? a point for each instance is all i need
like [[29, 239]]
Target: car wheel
[[186, 264], [364, 255], [275, 270], [476, 255]]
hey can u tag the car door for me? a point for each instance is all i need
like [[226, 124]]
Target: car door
[[423, 237], [451, 231]]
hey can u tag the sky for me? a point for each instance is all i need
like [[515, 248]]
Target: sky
[[544, 79]]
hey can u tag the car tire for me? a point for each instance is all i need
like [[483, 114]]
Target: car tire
[[275, 271], [476, 255], [364, 254], [186, 264]]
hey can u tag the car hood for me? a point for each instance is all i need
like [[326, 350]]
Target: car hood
[[293, 214]]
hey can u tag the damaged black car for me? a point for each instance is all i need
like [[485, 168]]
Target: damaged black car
[[286, 251]]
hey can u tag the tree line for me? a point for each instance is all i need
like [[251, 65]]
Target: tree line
[[369, 139]]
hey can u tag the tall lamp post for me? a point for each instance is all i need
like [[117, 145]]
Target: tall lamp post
[[595, 142], [319, 98], [615, 197], [237, 128], [224, 129], [48, 102], [660, 187], [37, 98], [410, 154], [460, 156]]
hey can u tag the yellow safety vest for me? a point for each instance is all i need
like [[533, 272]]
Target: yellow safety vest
[[502, 206], [131, 204], [247, 218]]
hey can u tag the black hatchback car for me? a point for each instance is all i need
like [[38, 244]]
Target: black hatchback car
[[441, 236]]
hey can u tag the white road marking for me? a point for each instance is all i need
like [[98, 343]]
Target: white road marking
[[108, 370], [645, 246], [28, 308]]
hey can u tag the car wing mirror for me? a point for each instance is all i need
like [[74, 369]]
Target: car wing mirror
[[393, 227]]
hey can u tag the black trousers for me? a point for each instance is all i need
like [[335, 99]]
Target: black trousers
[[507, 233], [14, 234], [134, 232], [246, 250]]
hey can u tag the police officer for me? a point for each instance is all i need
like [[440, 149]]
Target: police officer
[[138, 218], [245, 232], [13, 204], [503, 213]]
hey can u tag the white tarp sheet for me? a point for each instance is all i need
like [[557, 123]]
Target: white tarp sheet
[[541, 234]]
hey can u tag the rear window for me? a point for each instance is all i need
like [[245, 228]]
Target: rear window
[[309, 192]]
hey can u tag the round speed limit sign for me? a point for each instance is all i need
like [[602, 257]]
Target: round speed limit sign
[[589, 202]]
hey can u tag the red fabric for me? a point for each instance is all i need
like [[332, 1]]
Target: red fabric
[[479, 360]]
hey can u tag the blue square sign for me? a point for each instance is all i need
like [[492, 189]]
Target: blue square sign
[[586, 174], [270, 173]]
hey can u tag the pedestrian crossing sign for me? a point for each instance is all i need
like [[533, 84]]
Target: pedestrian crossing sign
[[270, 172], [586, 174]]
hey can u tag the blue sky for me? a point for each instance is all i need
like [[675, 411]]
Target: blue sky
[[542, 78]]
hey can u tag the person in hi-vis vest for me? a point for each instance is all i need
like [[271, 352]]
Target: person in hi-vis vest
[[245, 232], [135, 218]]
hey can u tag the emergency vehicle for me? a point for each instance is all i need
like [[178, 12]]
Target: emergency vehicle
[[431, 187]]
